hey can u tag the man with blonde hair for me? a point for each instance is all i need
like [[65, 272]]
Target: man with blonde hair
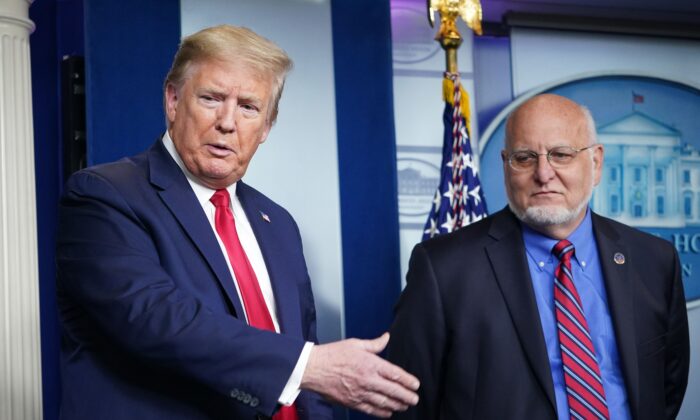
[[183, 291], [545, 310]]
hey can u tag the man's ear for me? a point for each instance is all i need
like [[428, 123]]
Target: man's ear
[[597, 163], [504, 160], [171, 98], [265, 132]]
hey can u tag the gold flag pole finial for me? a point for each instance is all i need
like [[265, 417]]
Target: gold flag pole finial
[[448, 35]]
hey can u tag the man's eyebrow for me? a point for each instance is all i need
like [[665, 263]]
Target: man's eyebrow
[[249, 96], [210, 90], [251, 99]]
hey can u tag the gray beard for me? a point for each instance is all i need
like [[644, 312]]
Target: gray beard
[[544, 216]]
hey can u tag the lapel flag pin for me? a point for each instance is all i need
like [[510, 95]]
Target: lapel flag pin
[[619, 258], [265, 217]]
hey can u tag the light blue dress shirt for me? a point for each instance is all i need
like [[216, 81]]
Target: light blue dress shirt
[[588, 279]]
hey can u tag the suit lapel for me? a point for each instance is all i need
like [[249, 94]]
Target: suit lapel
[[619, 287], [507, 256], [178, 196], [271, 245]]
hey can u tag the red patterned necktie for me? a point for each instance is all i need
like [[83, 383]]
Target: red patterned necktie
[[253, 301], [584, 386]]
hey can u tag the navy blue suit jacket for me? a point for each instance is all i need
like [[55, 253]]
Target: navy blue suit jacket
[[467, 324], [152, 324]]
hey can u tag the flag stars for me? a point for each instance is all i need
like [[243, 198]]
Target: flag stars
[[456, 160], [469, 162], [452, 190], [465, 196], [463, 133], [433, 229], [449, 223], [475, 193], [437, 200], [464, 218]]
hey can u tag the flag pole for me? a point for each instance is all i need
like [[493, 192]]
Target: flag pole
[[448, 35], [459, 199]]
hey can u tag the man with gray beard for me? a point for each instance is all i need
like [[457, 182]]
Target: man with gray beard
[[545, 310]]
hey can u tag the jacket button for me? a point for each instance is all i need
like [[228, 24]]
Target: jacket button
[[254, 402], [234, 393], [247, 398]]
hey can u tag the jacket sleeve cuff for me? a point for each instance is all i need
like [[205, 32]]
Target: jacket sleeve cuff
[[291, 389]]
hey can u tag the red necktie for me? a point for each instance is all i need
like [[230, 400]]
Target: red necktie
[[253, 301], [584, 386]]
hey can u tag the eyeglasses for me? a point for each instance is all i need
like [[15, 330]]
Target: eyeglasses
[[558, 157]]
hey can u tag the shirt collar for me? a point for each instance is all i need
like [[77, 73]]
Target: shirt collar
[[202, 192], [540, 246]]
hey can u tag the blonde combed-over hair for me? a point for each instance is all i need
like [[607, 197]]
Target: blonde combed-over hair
[[232, 44]]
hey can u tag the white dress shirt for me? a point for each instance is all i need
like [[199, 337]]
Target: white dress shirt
[[254, 254]]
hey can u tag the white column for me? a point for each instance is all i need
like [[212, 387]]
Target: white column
[[20, 350]]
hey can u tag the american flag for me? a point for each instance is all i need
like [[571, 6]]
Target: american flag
[[637, 98], [459, 199]]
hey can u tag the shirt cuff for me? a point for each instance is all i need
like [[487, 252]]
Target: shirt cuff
[[291, 389]]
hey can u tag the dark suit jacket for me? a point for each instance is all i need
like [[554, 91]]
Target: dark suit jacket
[[152, 324], [467, 324]]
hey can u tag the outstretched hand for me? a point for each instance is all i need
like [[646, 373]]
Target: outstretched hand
[[350, 373]]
